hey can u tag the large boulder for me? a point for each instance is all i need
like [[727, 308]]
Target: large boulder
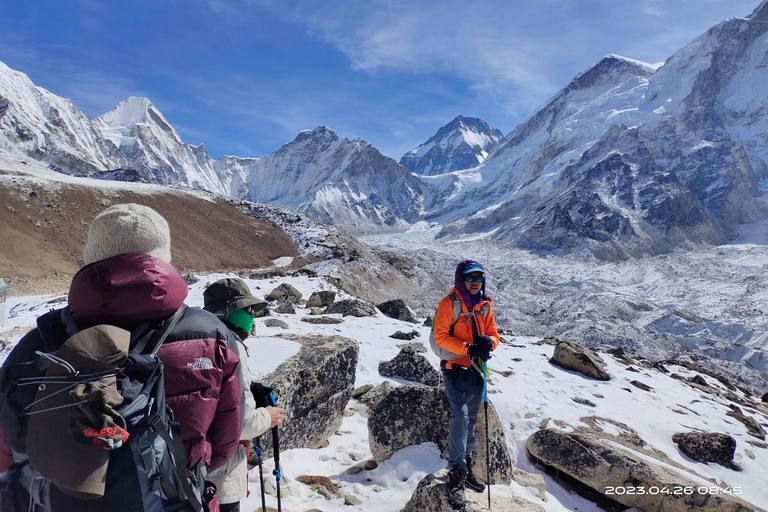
[[707, 447], [314, 387], [398, 310], [322, 298], [350, 307], [411, 415], [599, 465], [285, 292], [431, 495], [579, 359], [410, 365]]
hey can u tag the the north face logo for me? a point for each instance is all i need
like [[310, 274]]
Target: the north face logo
[[201, 363]]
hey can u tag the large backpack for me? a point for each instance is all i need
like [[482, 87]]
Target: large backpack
[[442, 353], [148, 472]]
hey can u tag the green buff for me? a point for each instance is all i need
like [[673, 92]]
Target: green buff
[[240, 319]]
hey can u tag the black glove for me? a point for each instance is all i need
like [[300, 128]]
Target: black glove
[[485, 341], [262, 395], [481, 351]]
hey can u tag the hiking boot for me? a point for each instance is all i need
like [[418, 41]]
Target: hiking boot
[[457, 475], [471, 481]]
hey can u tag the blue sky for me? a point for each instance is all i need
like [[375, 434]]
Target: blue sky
[[245, 76]]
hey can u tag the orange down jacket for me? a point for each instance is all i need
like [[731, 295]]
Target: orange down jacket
[[462, 331]]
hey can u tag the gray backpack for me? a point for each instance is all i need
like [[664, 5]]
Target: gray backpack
[[447, 355]]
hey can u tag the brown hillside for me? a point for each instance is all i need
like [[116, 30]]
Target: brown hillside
[[43, 230]]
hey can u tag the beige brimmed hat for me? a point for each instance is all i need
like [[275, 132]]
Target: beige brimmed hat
[[57, 447]]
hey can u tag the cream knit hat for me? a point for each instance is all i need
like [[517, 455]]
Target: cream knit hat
[[128, 228]]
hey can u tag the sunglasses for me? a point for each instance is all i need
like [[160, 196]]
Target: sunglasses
[[253, 310], [474, 279]]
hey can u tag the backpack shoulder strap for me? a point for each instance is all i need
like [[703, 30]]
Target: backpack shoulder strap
[[150, 342], [456, 311], [52, 329]]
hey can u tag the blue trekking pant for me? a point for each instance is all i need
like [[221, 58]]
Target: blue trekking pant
[[464, 408]]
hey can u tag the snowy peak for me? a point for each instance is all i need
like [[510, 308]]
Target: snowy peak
[[336, 180], [35, 122], [321, 134], [607, 69], [133, 110], [461, 144], [119, 125]]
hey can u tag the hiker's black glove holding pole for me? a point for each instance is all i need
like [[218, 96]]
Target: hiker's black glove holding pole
[[484, 341], [481, 351], [263, 397]]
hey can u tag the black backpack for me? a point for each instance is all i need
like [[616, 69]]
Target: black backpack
[[147, 473]]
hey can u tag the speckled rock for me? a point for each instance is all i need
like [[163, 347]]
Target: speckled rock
[[391, 426], [707, 447], [314, 387], [410, 365]]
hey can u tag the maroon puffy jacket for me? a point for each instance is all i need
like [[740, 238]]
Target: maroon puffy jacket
[[201, 372]]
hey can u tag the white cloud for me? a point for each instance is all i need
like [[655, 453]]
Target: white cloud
[[517, 52]]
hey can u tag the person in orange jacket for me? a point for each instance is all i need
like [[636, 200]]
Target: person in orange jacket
[[465, 334]]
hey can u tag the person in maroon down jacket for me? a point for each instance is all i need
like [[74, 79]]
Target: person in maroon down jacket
[[127, 280]]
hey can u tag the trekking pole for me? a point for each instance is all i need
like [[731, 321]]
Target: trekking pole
[[259, 451], [487, 437], [276, 448]]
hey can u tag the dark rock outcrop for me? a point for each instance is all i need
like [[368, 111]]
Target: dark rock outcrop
[[579, 359], [410, 365], [314, 387], [400, 335], [707, 447], [350, 307], [391, 426], [398, 310]]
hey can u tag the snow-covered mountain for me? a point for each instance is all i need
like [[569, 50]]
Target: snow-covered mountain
[[233, 172], [338, 181], [132, 142], [146, 142], [628, 160], [46, 127], [461, 144]]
